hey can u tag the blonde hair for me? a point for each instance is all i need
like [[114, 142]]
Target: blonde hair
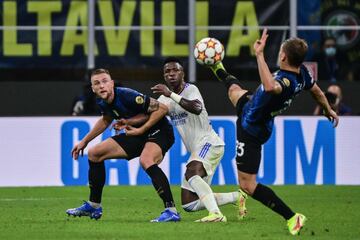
[[99, 71]]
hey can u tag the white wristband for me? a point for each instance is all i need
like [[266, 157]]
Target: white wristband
[[175, 97]]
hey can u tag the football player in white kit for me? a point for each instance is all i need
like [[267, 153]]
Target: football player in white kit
[[188, 114]]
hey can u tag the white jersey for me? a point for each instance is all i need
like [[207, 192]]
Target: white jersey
[[195, 130]]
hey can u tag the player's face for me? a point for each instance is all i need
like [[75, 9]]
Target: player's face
[[102, 85], [173, 75]]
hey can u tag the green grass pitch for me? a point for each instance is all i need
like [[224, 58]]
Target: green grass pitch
[[39, 213]]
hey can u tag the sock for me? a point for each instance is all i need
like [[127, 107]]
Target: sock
[[162, 186], [221, 199], [227, 78], [226, 198], [268, 197], [205, 193], [96, 181], [222, 74], [94, 205]]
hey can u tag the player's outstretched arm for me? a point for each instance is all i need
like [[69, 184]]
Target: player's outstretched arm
[[99, 127], [269, 83], [157, 111], [320, 98], [193, 106]]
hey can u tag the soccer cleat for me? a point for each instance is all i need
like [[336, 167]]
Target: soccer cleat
[[296, 223], [167, 216], [241, 204], [85, 210], [213, 217], [216, 67]]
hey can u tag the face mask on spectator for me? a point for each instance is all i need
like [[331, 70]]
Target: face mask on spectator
[[330, 51]]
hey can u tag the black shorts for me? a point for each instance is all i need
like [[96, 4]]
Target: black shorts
[[248, 147], [162, 135]]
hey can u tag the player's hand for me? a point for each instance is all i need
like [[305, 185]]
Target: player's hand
[[78, 149], [133, 131], [259, 44], [333, 117], [119, 125], [161, 89]]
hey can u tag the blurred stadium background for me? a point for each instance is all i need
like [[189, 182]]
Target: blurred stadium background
[[48, 49]]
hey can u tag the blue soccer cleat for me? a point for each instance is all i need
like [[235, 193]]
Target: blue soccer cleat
[[167, 216], [85, 210]]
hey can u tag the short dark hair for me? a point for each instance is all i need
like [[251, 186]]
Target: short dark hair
[[99, 71], [295, 50], [173, 59]]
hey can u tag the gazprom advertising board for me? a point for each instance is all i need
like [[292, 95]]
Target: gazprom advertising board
[[302, 150]]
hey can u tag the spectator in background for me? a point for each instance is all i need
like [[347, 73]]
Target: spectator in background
[[334, 96], [331, 63]]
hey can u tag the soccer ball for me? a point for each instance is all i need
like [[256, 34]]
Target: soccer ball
[[209, 51]]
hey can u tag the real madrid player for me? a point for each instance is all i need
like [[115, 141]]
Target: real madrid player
[[187, 112], [256, 112], [149, 140]]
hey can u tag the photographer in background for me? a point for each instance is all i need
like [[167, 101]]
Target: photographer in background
[[334, 97]]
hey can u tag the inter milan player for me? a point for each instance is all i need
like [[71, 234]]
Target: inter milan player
[[256, 112], [149, 140], [188, 113]]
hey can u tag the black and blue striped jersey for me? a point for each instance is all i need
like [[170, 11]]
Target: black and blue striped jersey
[[259, 112], [127, 103]]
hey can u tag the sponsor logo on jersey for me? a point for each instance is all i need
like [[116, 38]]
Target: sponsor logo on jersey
[[178, 119], [139, 99], [286, 82]]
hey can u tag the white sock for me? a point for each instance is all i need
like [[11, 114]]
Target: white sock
[[172, 209], [226, 198], [94, 205], [221, 199], [205, 193]]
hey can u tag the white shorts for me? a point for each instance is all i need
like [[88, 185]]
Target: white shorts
[[210, 157]]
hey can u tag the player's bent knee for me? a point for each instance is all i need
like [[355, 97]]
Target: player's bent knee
[[248, 187], [147, 162], [93, 155], [195, 168], [234, 88], [189, 174]]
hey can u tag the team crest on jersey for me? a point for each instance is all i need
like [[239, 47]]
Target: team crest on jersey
[[286, 82], [139, 100]]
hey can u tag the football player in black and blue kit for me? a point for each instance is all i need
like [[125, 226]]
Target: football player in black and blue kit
[[256, 112], [149, 141]]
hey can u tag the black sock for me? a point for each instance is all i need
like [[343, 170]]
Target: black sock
[[96, 180], [161, 185], [268, 197], [227, 78]]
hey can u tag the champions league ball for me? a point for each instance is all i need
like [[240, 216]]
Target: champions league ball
[[209, 51]]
